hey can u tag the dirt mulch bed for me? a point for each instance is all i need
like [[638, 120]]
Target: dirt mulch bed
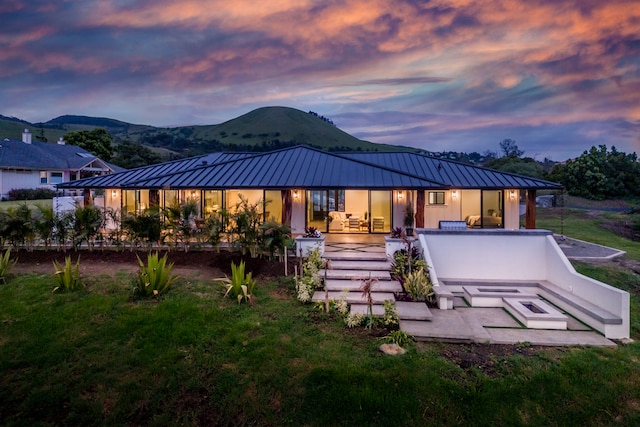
[[487, 358], [209, 263]]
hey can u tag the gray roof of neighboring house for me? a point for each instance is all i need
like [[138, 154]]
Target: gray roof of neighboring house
[[305, 167], [44, 155]]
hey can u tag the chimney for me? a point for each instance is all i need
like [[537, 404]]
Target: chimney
[[60, 141], [26, 136]]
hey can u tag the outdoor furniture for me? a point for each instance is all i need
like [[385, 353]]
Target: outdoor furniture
[[378, 223], [354, 223]]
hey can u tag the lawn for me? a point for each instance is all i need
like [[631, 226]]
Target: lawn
[[98, 357], [588, 225]]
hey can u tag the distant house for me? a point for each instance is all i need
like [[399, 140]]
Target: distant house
[[336, 193], [34, 164]]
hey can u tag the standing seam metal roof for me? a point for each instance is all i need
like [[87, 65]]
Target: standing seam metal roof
[[306, 167]]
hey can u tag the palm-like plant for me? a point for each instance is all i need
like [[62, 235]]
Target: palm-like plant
[[241, 285], [155, 277], [67, 278]]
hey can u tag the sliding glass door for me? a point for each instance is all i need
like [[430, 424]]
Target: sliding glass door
[[317, 209]]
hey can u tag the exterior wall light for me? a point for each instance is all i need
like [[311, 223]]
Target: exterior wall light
[[296, 195], [193, 194], [400, 195], [114, 194], [454, 194], [512, 194]]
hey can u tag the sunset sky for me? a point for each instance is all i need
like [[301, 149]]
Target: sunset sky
[[461, 75]]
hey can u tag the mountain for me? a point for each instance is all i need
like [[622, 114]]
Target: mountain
[[259, 130]]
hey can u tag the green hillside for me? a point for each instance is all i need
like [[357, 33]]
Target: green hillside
[[259, 130]]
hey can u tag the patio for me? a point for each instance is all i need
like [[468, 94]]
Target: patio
[[464, 323]]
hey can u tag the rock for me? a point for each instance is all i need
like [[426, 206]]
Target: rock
[[392, 349]]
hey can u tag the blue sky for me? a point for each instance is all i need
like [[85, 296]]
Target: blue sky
[[556, 76]]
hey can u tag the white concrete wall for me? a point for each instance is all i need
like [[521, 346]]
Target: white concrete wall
[[298, 213], [487, 254], [67, 203], [525, 255], [561, 273]]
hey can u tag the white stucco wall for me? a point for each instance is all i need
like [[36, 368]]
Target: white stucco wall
[[524, 255], [298, 213]]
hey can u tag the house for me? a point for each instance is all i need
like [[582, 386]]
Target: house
[[336, 193], [34, 164]]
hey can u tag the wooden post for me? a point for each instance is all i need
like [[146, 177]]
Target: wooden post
[[530, 212], [420, 201]]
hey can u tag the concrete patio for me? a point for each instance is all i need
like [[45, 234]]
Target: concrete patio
[[358, 255]]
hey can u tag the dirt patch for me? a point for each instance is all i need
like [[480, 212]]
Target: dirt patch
[[189, 264], [489, 358]]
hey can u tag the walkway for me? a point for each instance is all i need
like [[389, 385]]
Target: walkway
[[356, 257]]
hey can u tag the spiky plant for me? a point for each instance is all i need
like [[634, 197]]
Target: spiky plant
[[155, 277], [67, 278]]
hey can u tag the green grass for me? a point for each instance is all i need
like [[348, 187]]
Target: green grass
[[587, 225], [97, 357]]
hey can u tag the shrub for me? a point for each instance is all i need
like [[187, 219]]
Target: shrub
[[5, 264], [390, 317], [155, 278], [67, 278], [418, 285], [31, 194], [399, 337], [310, 279], [241, 285], [275, 236], [397, 233], [354, 320]]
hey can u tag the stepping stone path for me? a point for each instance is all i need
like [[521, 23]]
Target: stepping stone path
[[344, 279]]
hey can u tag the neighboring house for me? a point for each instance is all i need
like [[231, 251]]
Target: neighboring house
[[34, 164], [360, 192]]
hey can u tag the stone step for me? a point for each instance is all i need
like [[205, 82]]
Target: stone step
[[360, 265], [355, 274], [413, 310], [354, 285], [355, 256], [354, 297]]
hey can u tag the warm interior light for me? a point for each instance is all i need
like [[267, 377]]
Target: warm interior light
[[512, 194], [295, 194], [454, 194], [114, 194]]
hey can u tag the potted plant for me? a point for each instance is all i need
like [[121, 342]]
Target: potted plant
[[310, 240], [408, 219], [394, 242]]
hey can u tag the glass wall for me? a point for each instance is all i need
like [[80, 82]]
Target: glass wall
[[273, 205], [135, 200], [380, 202], [317, 209], [212, 202], [482, 209]]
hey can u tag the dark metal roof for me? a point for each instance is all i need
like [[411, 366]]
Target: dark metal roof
[[305, 167], [117, 180], [454, 174], [300, 166], [44, 155]]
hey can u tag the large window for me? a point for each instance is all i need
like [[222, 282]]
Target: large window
[[273, 205], [317, 209], [482, 208], [380, 202], [213, 202]]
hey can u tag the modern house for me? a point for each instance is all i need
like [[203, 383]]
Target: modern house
[[359, 192], [34, 164]]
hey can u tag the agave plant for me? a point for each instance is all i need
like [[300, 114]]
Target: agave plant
[[5, 264], [155, 277], [67, 278], [241, 285]]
